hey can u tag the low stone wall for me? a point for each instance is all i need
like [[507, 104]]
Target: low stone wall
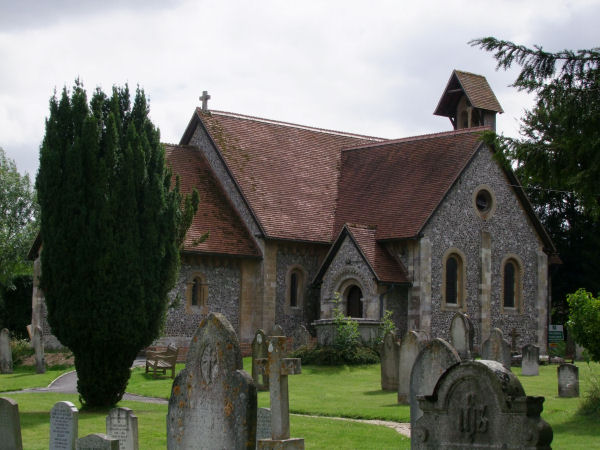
[[326, 330]]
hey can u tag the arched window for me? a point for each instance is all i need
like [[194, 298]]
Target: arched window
[[295, 287], [454, 280], [197, 293], [511, 284]]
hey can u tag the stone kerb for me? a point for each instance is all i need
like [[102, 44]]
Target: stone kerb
[[462, 335], [480, 404], [410, 346], [568, 380], [6, 362], [97, 441], [259, 351], [10, 425], [530, 360], [122, 424], [433, 360], [496, 348], [64, 426], [390, 358], [213, 401]]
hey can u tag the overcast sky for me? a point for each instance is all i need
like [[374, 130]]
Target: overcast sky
[[370, 67]]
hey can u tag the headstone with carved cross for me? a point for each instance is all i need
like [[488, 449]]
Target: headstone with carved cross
[[278, 368], [204, 99]]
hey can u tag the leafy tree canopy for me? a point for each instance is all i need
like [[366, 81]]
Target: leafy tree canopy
[[111, 229], [557, 157], [584, 321]]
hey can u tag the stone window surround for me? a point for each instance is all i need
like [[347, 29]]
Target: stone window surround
[[490, 211], [301, 285], [518, 262], [461, 303], [202, 308]]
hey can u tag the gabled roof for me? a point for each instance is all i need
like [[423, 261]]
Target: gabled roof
[[287, 173], [475, 87], [227, 233], [397, 185], [383, 266]]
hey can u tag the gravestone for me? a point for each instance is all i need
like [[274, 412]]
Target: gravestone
[[530, 360], [568, 380], [390, 358], [10, 426], [263, 424], [278, 369], [410, 346], [300, 337], [6, 363], [259, 350], [64, 426], [38, 347], [480, 404], [276, 330], [122, 424], [213, 401], [97, 441], [461, 335], [435, 358], [495, 348], [514, 334]]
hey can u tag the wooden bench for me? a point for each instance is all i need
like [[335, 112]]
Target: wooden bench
[[161, 361]]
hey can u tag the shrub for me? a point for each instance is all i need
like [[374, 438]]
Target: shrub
[[330, 356], [20, 349], [590, 405]]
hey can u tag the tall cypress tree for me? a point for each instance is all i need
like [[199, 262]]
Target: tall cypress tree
[[111, 228]]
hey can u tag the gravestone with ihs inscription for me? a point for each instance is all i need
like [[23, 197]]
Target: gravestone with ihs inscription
[[64, 426], [259, 350], [390, 358], [97, 441], [6, 362], [10, 426], [122, 424], [480, 404], [213, 401]]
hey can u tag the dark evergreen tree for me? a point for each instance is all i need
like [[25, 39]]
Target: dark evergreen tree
[[557, 157], [111, 227]]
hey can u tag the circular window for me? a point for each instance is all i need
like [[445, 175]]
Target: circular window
[[484, 201]]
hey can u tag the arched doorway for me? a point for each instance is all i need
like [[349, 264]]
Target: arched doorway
[[353, 302]]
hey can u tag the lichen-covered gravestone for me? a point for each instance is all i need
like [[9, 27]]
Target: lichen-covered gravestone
[[461, 335], [6, 363], [64, 426], [213, 401], [38, 347], [410, 346], [390, 359], [10, 426], [530, 360], [480, 404], [259, 350], [122, 424], [97, 441], [300, 337], [435, 358], [568, 380], [495, 348]]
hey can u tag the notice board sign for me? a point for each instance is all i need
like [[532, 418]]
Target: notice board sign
[[555, 333]]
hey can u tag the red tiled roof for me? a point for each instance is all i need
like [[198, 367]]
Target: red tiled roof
[[397, 185], [475, 87], [227, 233], [287, 173], [386, 268]]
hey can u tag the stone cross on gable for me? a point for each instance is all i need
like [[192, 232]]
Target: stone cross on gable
[[204, 99], [277, 369]]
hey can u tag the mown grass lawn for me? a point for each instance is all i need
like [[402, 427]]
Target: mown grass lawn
[[24, 377]]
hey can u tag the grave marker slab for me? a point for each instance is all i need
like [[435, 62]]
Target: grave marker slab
[[568, 380], [263, 424], [38, 347], [277, 330], [259, 350], [10, 425], [390, 360], [64, 426], [122, 424], [495, 348], [461, 335], [480, 404], [300, 337], [410, 346], [530, 362], [435, 358], [6, 363], [97, 441], [213, 401]]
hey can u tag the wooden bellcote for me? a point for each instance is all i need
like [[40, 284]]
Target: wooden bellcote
[[468, 101]]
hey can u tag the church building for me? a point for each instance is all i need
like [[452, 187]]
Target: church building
[[298, 217]]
